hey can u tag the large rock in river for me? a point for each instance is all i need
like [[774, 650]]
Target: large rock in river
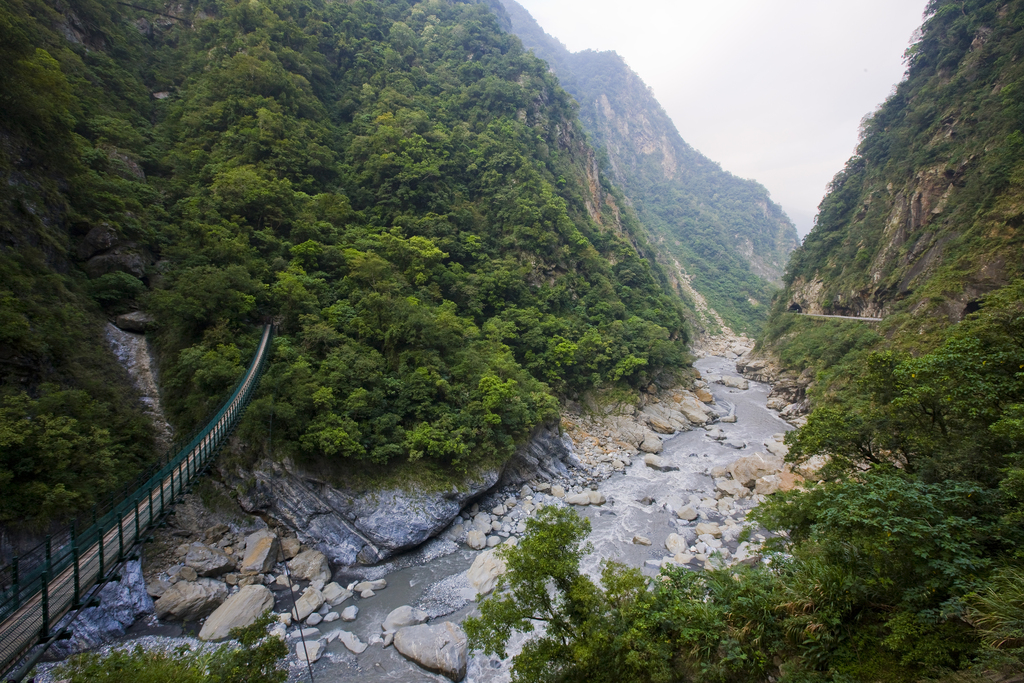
[[748, 469], [240, 610], [191, 600], [441, 648]]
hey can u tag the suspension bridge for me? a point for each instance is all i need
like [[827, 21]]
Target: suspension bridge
[[63, 574]]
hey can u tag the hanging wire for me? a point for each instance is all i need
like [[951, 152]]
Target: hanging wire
[[288, 574]]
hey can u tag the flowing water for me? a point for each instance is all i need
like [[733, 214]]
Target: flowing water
[[641, 501]]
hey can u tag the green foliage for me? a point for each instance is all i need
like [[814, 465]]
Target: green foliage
[[254, 660], [916, 221], [397, 185]]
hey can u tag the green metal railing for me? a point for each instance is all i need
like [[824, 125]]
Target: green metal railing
[[42, 586]]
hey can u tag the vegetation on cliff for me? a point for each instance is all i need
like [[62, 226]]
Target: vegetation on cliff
[[724, 231], [402, 188], [925, 219], [903, 564]]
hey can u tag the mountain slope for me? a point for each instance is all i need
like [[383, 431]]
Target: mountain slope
[[925, 219], [725, 232], [398, 185]]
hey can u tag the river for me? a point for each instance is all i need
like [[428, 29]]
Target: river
[[640, 502]]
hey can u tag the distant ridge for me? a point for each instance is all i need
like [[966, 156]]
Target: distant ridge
[[730, 239]]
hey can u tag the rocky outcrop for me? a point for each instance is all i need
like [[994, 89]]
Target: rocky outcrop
[[547, 455], [355, 527], [121, 603], [441, 648]]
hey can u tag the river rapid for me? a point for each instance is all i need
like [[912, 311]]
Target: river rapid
[[641, 501]]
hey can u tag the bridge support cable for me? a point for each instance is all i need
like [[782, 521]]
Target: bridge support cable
[[38, 590]]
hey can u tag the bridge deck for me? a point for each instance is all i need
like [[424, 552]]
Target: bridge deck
[[31, 608]]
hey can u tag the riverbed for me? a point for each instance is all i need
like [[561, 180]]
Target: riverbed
[[641, 501]]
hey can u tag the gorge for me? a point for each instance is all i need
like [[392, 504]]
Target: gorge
[[497, 301]]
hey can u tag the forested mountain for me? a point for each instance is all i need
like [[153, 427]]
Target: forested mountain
[[902, 562], [925, 219], [725, 232], [397, 184]]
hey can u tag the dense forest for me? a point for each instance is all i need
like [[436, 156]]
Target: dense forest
[[724, 231], [399, 186], [903, 563]]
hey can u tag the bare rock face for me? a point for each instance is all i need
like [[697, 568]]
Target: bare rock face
[[121, 259], [191, 601], [100, 238], [240, 610], [546, 455], [441, 648], [208, 561], [351, 527], [487, 568], [121, 603]]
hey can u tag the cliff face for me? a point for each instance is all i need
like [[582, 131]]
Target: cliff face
[[725, 233], [926, 218]]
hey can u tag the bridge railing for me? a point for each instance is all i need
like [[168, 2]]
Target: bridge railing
[[45, 584]]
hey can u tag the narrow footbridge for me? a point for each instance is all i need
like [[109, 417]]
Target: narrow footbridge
[[38, 589]]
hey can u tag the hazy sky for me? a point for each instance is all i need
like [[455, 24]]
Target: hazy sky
[[773, 90]]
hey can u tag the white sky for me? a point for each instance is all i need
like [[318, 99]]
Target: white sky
[[773, 90]]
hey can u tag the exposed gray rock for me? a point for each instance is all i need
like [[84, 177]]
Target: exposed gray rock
[[309, 651], [100, 238], [121, 603], [350, 613], [654, 462], [191, 600], [546, 455], [335, 595], [308, 602], [261, 550], [351, 641], [651, 443], [485, 571], [476, 539], [310, 565], [208, 561], [441, 648], [403, 616], [352, 527], [125, 258], [136, 321]]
